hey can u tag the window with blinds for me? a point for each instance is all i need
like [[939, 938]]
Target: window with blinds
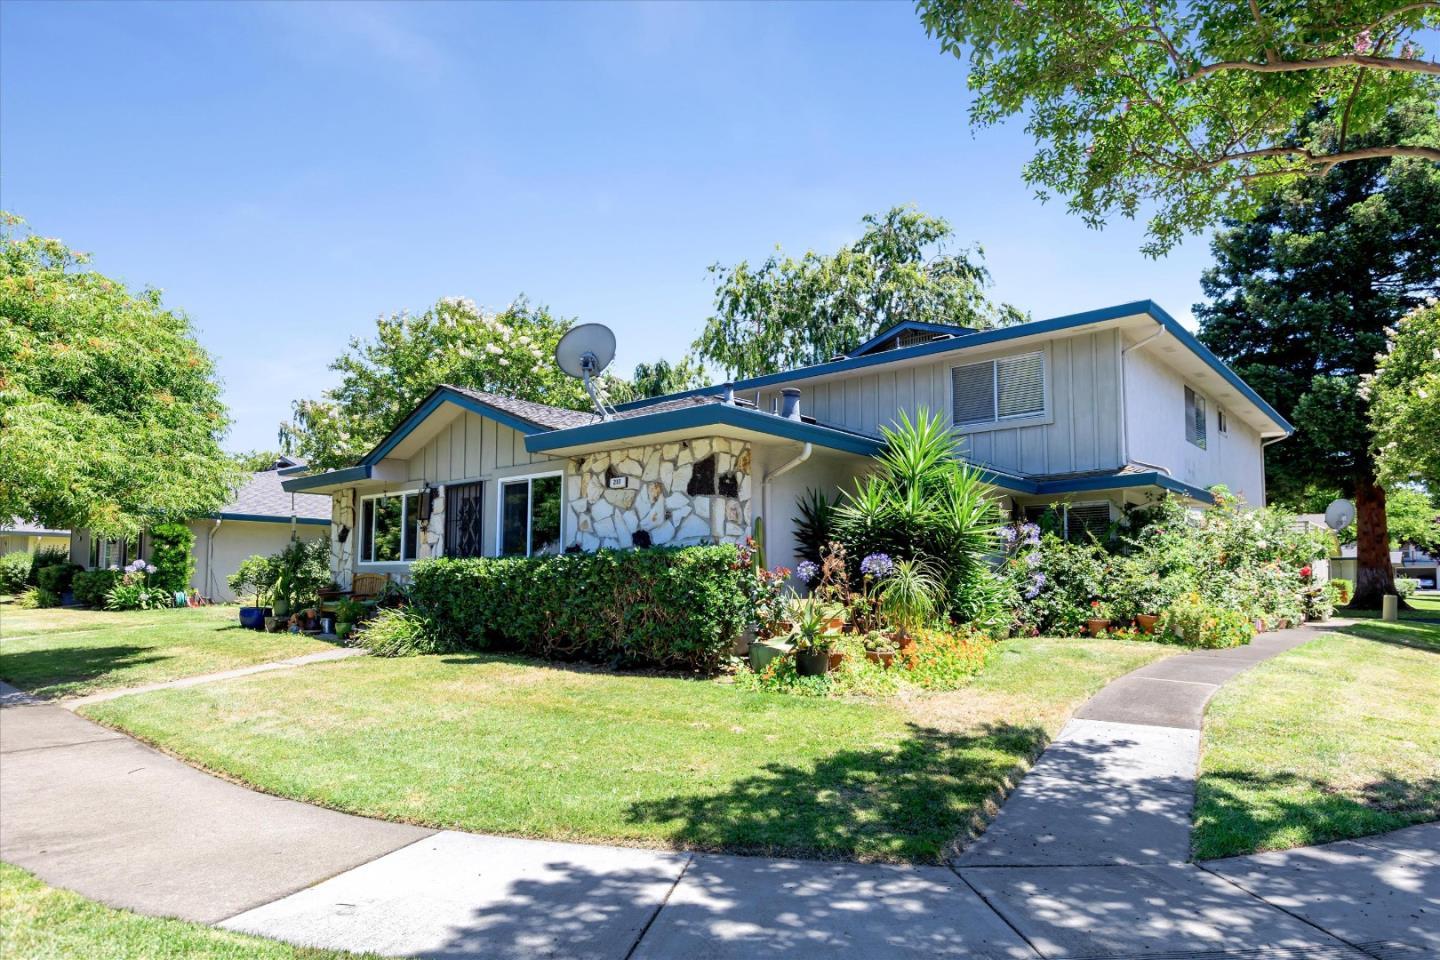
[[1005, 389], [1194, 418], [1086, 520]]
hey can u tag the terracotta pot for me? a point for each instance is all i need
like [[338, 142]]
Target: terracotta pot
[[836, 658], [882, 657], [835, 624], [903, 641], [1147, 622], [1097, 626]]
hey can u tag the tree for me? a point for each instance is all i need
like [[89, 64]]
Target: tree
[[788, 313], [110, 413], [1413, 517], [1405, 400], [1300, 296], [662, 377], [254, 461], [1189, 108], [382, 379]]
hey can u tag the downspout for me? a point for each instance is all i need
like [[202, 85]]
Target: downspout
[[210, 557], [1125, 409], [784, 468]]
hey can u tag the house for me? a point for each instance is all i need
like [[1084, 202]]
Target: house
[[1091, 412], [261, 518], [24, 536], [1409, 561]]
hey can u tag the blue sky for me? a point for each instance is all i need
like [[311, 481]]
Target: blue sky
[[287, 172]]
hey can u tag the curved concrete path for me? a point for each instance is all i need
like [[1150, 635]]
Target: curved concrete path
[[1085, 860]]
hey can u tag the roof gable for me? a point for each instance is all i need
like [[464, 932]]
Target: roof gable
[[898, 331]]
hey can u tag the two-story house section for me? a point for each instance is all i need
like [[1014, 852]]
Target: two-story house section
[[1090, 412]]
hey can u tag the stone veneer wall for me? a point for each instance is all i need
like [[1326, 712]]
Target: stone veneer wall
[[655, 498]]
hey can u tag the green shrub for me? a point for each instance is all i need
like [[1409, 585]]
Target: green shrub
[[170, 554], [1341, 590], [131, 594], [923, 502], [14, 572], [399, 632], [45, 557], [660, 607], [1194, 623], [91, 586], [57, 577], [1405, 586], [255, 575]]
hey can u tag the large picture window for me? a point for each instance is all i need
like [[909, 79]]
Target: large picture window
[[992, 391], [389, 528], [530, 515]]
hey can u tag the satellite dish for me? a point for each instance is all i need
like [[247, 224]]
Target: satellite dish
[[1339, 515], [582, 353]]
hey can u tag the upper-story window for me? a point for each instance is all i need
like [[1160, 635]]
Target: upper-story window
[[1009, 388], [1222, 423], [1195, 418], [389, 527]]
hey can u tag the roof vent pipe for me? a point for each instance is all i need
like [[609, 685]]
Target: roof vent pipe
[[728, 394], [790, 403]]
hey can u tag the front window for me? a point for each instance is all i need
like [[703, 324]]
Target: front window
[[390, 528], [1011, 388], [530, 515]]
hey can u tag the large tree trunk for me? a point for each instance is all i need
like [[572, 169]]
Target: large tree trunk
[[1374, 577]]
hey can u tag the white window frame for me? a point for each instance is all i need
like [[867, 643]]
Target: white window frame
[[404, 509], [997, 422], [529, 479]]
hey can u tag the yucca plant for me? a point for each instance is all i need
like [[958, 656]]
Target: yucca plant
[[908, 596]]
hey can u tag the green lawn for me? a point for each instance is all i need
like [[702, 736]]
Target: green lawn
[[38, 922], [1422, 607], [500, 745], [66, 652], [1338, 738]]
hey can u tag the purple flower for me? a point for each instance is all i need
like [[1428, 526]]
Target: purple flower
[[1032, 559], [1031, 532], [1008, 535], [1037, 583], [149, 568], [877, 565], [806, 571]]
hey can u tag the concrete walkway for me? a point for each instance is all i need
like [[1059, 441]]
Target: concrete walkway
[[340, 653], [1085, 860]]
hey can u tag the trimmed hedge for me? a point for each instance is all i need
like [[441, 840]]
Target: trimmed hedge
[[91, 586], [658, 607]]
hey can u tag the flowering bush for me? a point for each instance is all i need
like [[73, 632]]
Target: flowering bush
[[1194, 623], [135, 590]]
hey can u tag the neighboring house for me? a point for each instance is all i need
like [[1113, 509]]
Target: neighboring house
[[261, 518], [22, 536], [1091, 412], [1409, 561]]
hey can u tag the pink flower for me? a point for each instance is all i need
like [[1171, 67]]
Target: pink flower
[[1363, 42]]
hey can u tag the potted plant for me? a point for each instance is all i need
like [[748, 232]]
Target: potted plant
[[1099, 619], [879, 649], [907, 599], [347, 613], [812, 637], [255, 574]]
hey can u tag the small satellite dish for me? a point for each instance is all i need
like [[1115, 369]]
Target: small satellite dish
[[582, 353], [1339, 515]]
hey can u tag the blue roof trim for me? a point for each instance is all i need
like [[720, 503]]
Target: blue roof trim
[[904, 325], [999, 335], [1113, 482], [264, 518], [432, 403], [707, 415], [329, 477], [979, 338]]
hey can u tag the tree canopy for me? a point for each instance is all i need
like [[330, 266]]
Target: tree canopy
[[110, 412], [662, 377], [1299, 300], [1405, 400], [1190, 111], [383, 378], [789, 312]]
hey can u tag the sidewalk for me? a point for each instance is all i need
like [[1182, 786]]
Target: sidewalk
[[1085, 860]]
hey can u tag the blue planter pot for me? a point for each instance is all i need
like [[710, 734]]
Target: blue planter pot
[[253, 618]]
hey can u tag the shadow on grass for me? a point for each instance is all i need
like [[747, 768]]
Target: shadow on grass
[[909, 799], [1240, 813], [36, 670], [1414, 634]]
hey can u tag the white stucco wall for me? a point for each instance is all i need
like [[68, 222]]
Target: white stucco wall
[[219, 550], [1155, 409]]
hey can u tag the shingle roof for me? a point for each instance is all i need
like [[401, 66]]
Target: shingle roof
[[262, 496], [540, 414]]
